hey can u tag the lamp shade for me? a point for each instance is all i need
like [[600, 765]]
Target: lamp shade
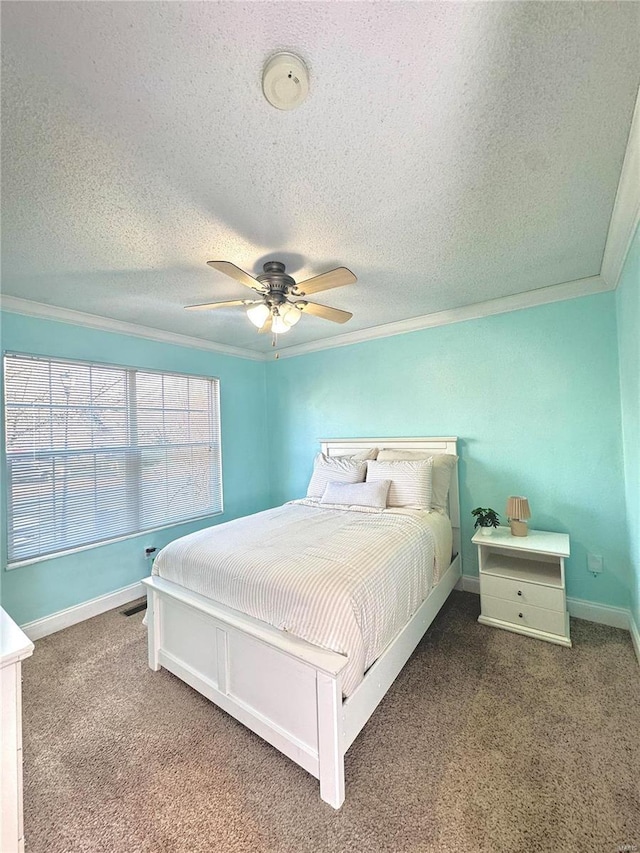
[[258, 314], [518, 508]]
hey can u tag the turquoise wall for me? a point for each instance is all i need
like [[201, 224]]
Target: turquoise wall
[[30, 592], [533, 396], [628, 313]]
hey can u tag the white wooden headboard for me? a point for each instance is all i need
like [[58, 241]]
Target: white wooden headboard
[[344, 446]]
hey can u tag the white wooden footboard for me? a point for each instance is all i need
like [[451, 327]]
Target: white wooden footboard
[[284, 689]]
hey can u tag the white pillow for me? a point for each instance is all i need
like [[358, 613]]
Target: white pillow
[[357, 494], [328, 468], [360, 456], [443, 465], [410, 481]]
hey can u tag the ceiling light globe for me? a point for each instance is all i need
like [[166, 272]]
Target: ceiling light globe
[[258, 314], [290, 314], [279, 327]]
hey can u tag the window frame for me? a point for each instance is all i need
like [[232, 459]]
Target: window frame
[[10, 565]]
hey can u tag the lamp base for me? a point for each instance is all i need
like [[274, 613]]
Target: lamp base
[[518, 528]]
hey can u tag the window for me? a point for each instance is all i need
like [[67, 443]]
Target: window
[[96, 452]]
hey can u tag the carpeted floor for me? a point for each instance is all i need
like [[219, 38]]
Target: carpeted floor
[[487, 741]]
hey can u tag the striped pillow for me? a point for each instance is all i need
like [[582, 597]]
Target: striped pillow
[[328, 469], [357, 494], [411, 482], [443, 466]]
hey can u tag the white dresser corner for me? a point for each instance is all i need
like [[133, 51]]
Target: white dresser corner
[[15, 646]]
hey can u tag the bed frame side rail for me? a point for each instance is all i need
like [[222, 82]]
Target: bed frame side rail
[[358, 707]]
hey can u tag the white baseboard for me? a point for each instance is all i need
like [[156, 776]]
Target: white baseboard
[[603, 614], [78, 613], [635, 635], [467, 583]]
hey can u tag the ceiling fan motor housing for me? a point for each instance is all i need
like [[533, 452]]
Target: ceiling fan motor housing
[[276, 280]]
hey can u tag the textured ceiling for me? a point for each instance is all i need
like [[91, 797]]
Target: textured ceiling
[[448, 153]]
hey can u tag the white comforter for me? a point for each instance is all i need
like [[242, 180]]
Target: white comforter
[[340, 579]]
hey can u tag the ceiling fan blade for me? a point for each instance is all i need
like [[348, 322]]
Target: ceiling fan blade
[[209, 306], [334, 278], [333, 314], [235, 272], [267, 325]]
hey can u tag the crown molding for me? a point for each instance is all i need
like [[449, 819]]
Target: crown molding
[[626, 209], [502, 305], [16, 305]]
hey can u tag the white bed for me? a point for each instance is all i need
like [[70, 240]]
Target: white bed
[[287, 680]]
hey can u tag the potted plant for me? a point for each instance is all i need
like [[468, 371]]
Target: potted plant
[[486, 519]]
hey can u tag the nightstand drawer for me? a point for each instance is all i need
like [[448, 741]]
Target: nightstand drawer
[[521, 592], [525, 615]]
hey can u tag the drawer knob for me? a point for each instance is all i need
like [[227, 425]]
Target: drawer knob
[[520, 615], [519, 592]]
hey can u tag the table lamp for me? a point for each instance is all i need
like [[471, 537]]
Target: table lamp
[[517, 513]]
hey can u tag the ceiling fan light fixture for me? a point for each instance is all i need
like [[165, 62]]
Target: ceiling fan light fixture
[[290, 314], [258, 314], [274, 311], [279, 325]]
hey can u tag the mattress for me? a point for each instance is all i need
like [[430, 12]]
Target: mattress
[[341, 579]]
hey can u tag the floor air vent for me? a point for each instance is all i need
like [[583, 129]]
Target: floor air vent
[[137, 608]]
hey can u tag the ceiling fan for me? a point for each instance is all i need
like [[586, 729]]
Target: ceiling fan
[[275, 311]]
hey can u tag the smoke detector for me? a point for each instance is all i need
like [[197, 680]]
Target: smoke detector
[[285, 81]]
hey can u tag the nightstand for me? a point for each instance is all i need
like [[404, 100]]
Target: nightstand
[[522, 584]]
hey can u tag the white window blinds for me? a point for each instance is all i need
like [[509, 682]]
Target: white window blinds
[[96, 452]]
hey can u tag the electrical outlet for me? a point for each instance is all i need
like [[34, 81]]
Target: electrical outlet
[[594, 563]]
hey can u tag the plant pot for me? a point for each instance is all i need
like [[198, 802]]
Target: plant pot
[[486, 531]]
